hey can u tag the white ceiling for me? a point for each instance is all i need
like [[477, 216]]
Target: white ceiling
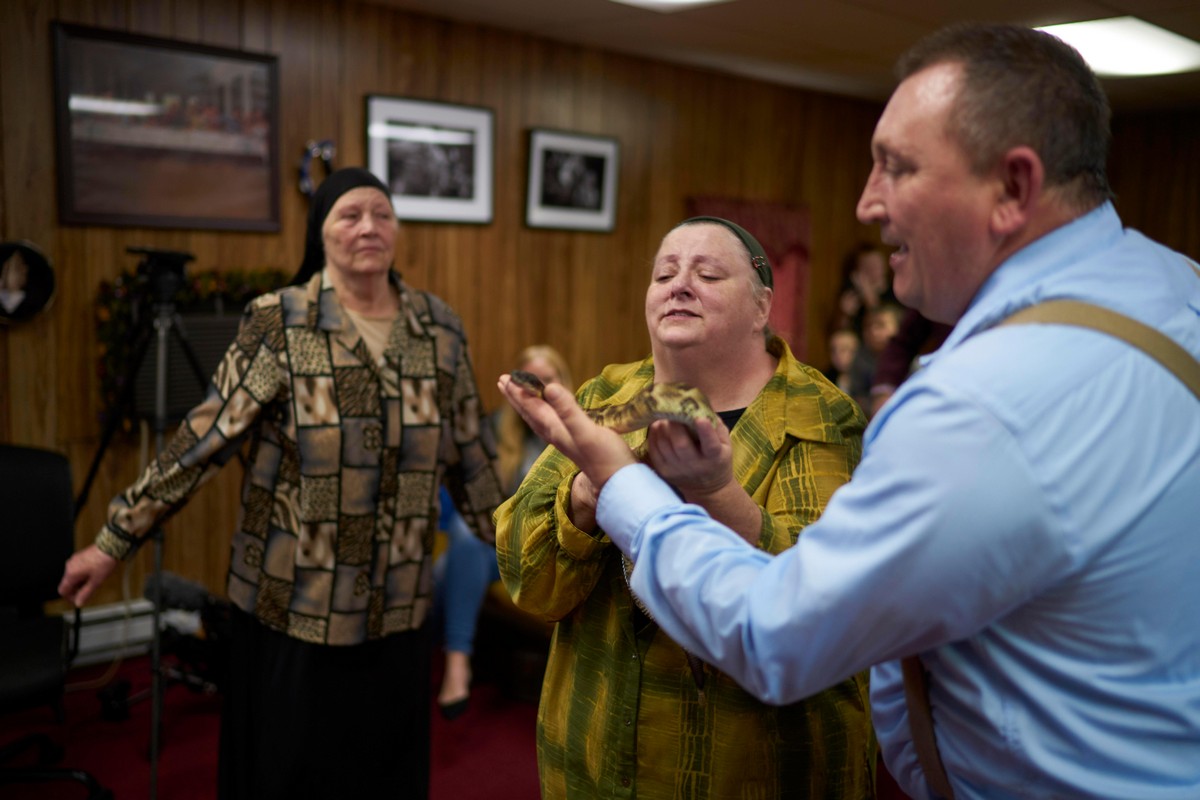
[[840, 46]]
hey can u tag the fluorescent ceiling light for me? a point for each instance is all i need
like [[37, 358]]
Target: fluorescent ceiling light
[[1127, 46], [667, 6]]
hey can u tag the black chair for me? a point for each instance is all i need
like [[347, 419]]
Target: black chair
[[36, 538]]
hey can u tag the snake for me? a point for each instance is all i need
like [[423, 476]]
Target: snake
[[676, 402]]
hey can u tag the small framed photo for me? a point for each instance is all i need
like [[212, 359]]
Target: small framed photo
[[164, 134], [435, 158], [572, 181]]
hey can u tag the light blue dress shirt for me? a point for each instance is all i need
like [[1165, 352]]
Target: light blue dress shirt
[[1026, 517]]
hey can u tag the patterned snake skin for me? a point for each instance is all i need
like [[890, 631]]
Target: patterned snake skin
[[677, 402]]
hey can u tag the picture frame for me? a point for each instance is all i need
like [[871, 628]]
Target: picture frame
[[160, 133], [435, 158], [572, 181]]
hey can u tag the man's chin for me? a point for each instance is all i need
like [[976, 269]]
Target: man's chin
[[905, 292]]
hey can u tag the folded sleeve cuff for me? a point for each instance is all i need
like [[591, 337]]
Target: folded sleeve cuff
[[629, 499], [578, 543], [114, 544]]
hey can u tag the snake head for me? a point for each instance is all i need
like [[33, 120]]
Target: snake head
[[528, 381]]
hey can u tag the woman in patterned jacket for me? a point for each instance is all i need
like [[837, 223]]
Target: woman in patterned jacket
[[356, 395]]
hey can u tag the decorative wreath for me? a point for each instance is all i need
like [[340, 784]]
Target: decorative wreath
[[124, 310]]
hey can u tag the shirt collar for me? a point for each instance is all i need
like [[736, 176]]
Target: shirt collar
[[326, 313]]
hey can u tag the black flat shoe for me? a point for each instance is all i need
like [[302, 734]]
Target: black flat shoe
[[454, 710]]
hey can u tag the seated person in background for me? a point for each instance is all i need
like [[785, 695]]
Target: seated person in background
[[917, 335], [625, 711], [843, 350], [866, 285], [880, 324], [469, 565]]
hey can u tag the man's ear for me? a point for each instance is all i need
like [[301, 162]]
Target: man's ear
[[1021, 178]]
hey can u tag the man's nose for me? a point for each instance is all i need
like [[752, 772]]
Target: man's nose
[[870, 208]]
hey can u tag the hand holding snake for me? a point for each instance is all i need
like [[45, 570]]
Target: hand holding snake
[[590, 440], [683, 460], [674, 451], [553, 415]]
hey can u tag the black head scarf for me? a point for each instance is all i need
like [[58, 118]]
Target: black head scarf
[[333, 187], [758, 256]]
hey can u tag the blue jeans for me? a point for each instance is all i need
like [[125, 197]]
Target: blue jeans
[[463, 575]]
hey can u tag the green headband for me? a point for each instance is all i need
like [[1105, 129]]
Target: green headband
[[758, 256]]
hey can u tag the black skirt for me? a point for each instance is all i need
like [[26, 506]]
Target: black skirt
[[303, 720]]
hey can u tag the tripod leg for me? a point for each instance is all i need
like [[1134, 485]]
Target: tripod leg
[[113, 421], [156, 682], [164, 323], [188, 351]]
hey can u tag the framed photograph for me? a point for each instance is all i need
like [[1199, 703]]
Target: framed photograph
[[572, 181], [164, 134], [435, 158]]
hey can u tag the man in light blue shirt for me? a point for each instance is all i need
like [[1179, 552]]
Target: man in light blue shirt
[[1026, 515]]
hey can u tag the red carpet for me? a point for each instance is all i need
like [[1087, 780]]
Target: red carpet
[[486, 754]]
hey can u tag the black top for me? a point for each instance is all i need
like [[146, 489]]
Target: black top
[[730, 418]]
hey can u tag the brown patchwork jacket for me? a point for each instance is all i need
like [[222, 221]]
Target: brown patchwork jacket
[[340, 497]]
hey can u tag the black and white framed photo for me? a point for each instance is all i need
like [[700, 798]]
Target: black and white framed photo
[[167, 134], [572, 181], [435, 158]]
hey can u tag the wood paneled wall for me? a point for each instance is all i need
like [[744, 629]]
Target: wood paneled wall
[[1154, 169], [682, 132]]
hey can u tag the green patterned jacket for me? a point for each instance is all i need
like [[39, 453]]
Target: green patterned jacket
[[620, 713]]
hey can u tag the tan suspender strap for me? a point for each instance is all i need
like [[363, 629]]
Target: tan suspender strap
[[1158, 346], [920, 725]]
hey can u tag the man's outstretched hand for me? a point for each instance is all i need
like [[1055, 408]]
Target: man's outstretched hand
[[559, 420]]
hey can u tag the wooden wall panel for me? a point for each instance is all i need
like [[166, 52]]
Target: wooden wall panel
[[682, 132], [1155, 172]]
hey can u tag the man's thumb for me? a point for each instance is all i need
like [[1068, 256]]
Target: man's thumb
[[563, 403]]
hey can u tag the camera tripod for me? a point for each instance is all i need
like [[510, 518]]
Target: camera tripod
[[163, 272]]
